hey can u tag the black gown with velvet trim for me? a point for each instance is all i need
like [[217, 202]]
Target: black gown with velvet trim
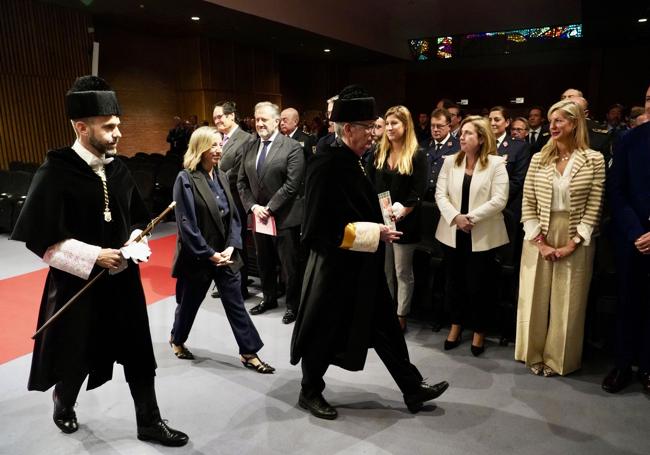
[[344, 292], [109, 322]]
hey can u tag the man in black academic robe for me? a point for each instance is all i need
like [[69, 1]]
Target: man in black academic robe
[[346, 306], [78, 216]]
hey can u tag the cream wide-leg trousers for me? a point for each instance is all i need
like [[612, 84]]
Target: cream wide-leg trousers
[[553, 302]]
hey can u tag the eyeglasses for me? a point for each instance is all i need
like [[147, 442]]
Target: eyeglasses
[[435, 126], [365, 126]]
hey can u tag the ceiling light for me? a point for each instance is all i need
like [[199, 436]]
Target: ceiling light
[[327, 50], [195, 18], [643, 19]]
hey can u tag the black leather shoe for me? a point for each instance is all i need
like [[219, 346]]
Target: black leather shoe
[[160, 432], [263, 307], [64, 417], [644, 378], [426, 392], [617, 380], [318, 407], [289, 317]]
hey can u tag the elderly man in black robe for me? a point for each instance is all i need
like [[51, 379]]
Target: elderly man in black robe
[[79, 215], [346, 306]]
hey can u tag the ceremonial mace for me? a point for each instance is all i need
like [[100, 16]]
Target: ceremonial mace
[[152, 224]]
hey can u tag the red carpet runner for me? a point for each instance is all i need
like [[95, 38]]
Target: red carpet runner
[[20, 298]]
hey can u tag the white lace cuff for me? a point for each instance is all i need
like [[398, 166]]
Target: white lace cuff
[[72, 256]]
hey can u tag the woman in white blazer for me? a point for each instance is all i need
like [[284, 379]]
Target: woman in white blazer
[[471, 193]]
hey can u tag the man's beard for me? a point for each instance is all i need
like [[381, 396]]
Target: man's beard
[[103, 148]]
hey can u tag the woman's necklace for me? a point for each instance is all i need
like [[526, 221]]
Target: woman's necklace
[[565, 157]]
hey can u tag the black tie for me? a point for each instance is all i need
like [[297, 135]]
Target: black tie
[[262, 158], [438, 146], [533, 137]]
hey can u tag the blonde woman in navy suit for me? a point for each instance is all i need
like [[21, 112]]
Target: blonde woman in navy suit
[[471, 192], [561, 211]]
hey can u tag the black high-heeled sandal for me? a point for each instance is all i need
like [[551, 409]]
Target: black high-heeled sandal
[[261, 367], [181, 352]]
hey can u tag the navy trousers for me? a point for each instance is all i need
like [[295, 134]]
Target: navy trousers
[[190, 293], [633, 312]]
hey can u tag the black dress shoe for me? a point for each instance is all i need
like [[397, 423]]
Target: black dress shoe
[[263, 307], [289, 317], [644, 378], [317, 406], [425, 392], [64, 416], [617, 380], [160, 432]]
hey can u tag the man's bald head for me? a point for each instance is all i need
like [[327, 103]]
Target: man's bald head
[[571, 93], [582, 102], [289, 119]]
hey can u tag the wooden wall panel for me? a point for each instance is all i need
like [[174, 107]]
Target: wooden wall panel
[[44, 49]]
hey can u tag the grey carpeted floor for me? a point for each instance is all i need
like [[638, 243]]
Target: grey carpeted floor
[[493, 405]]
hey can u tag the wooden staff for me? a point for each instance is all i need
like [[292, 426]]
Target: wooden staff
[[75, 297]]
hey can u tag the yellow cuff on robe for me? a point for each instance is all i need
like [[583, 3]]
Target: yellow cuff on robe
[[361, 236]]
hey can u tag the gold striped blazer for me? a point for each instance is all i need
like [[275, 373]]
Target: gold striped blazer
[[586, 189]]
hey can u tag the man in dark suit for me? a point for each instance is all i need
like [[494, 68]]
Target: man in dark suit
[[289, 120], [270, 174], [628, 188], [235, 140], [517, 154], [538, 134], [442, 144]]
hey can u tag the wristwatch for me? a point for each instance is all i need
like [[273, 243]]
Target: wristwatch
[[577, 239]]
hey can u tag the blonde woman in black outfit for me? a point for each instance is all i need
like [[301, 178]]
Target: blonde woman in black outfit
[[400, 167]]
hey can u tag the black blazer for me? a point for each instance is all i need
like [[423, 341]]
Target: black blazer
[[540, 141], [201, 228], [278, 185], [408, 190], [307, 142]]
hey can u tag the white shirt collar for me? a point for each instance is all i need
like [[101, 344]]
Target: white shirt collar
[[501, 138], [272, 138], [293, 132], [89, 157], [444, 141], [536, 130]]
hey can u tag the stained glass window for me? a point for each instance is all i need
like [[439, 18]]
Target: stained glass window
[[443, 47]]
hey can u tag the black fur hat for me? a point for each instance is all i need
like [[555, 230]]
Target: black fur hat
[[91, 96], [353, 104]]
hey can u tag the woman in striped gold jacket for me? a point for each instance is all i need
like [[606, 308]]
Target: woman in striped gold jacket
[[561, 209]]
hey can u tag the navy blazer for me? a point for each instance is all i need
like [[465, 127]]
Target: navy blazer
[[435, 161], [628, 184], [201, 229], [518, 159]]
